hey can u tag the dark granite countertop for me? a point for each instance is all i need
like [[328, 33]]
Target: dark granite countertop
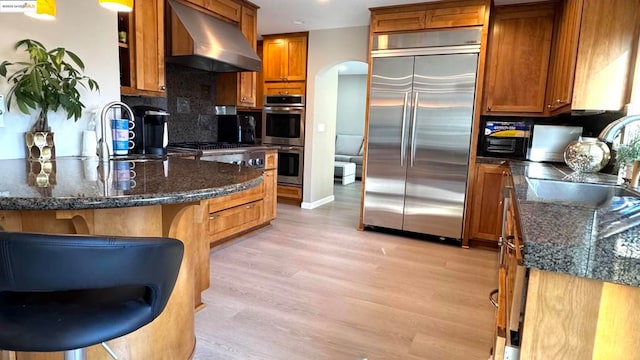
[[589, 231], [84, 183]]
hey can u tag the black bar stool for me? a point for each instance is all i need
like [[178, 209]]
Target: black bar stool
[[67, 292]]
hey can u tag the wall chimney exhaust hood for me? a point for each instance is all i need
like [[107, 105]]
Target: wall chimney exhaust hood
[[215, 45]]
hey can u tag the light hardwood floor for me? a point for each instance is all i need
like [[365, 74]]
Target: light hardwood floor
[[313, 287]]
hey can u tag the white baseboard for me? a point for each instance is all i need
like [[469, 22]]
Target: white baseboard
[[315, 204]]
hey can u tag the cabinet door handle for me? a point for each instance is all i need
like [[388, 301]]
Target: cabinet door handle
[[163, 87], [249, 206], [492, 298], [212, 216]]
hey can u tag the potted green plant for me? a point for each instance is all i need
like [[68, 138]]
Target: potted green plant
[[629, 155], [47, 82]]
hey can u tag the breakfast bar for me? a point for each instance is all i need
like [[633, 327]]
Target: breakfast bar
[[144, 197]]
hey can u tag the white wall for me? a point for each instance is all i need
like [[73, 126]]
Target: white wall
[[87, 29], [326, 48], [352, 102]]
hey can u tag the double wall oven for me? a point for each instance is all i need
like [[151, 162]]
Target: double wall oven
[[283, 127]]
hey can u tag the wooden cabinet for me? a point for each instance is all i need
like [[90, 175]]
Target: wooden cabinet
[[270, 186], [285, 88], [239, 89], [604, 55], [564, 55], [228, 9], [232, 215], [289, 193], [142, 56], [236, 213], [486, 213], [511, 276], [518, 60], [427, 16], [285, 57]]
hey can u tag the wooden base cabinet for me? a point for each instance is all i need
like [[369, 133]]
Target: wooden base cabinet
[[235, 214], [486, 214], [511, 276]]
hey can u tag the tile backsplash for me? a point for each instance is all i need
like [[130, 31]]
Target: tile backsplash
[[190, 102]]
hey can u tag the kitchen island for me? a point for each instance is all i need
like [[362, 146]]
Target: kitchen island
[[127, 198], [581, 248]]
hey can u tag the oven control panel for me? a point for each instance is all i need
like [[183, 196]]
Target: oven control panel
[[252, 159]]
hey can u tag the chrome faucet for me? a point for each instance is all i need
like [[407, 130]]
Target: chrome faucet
[[103, 144], [609, 133]]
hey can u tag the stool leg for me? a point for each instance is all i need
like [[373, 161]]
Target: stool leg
[[77, 354]]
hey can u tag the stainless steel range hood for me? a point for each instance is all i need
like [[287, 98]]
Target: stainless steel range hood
[[218, 46]]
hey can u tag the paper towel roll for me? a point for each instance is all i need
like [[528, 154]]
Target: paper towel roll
[[89, 143]]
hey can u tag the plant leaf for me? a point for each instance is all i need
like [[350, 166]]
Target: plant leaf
[[76, 59]]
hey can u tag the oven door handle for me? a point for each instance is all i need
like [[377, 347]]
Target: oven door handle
[[284, 110]]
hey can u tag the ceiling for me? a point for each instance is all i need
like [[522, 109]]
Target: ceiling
[[284, 16]]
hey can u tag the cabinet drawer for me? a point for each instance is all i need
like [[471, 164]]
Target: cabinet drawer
[[284, 88], [398, 21], [236, 218], [225, 202], [455, 17]]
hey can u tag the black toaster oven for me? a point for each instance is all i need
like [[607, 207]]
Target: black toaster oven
[[505, 139]]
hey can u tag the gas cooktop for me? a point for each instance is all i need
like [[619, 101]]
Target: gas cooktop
[[206, 145]]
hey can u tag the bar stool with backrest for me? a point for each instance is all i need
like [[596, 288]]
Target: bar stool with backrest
[[67, 292]]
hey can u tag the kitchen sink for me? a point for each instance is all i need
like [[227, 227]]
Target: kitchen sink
[[575, 192]]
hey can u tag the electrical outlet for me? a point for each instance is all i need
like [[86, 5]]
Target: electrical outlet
[[2, 111]]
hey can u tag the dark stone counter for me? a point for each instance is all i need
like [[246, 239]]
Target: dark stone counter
[[84, 183], [590, 232]]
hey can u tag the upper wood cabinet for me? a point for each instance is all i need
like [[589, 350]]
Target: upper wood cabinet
[[285, 57], [563, 58], [142, 56], [427, 16], [228, 9], [604, 59], [240, 88], [518, 60]]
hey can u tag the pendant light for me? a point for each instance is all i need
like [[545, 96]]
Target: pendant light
[[117, 5], [45, 10]]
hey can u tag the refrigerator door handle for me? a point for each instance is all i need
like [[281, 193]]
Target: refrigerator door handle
[[403, 146], [414, 120]]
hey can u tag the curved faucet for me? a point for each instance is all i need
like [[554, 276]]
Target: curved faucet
[[609, 133], [103, 144]]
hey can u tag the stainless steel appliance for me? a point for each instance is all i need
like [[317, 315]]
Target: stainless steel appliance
[[420, 117], [236, 129], [290, 165], [549, 141], [241, 154], [505, 139], [283, 120], [151, 134]]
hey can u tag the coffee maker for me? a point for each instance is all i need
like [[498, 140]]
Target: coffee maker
[[151, 135]]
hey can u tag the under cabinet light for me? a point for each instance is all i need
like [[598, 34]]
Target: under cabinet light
[[45, 10], [117, 5]]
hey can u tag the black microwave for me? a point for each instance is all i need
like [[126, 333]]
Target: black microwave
[[505, 139]]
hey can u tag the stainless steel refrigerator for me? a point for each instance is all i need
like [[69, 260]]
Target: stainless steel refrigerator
[[421, 107]]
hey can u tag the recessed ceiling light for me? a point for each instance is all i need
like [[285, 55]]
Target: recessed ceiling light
[[298, 22]]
